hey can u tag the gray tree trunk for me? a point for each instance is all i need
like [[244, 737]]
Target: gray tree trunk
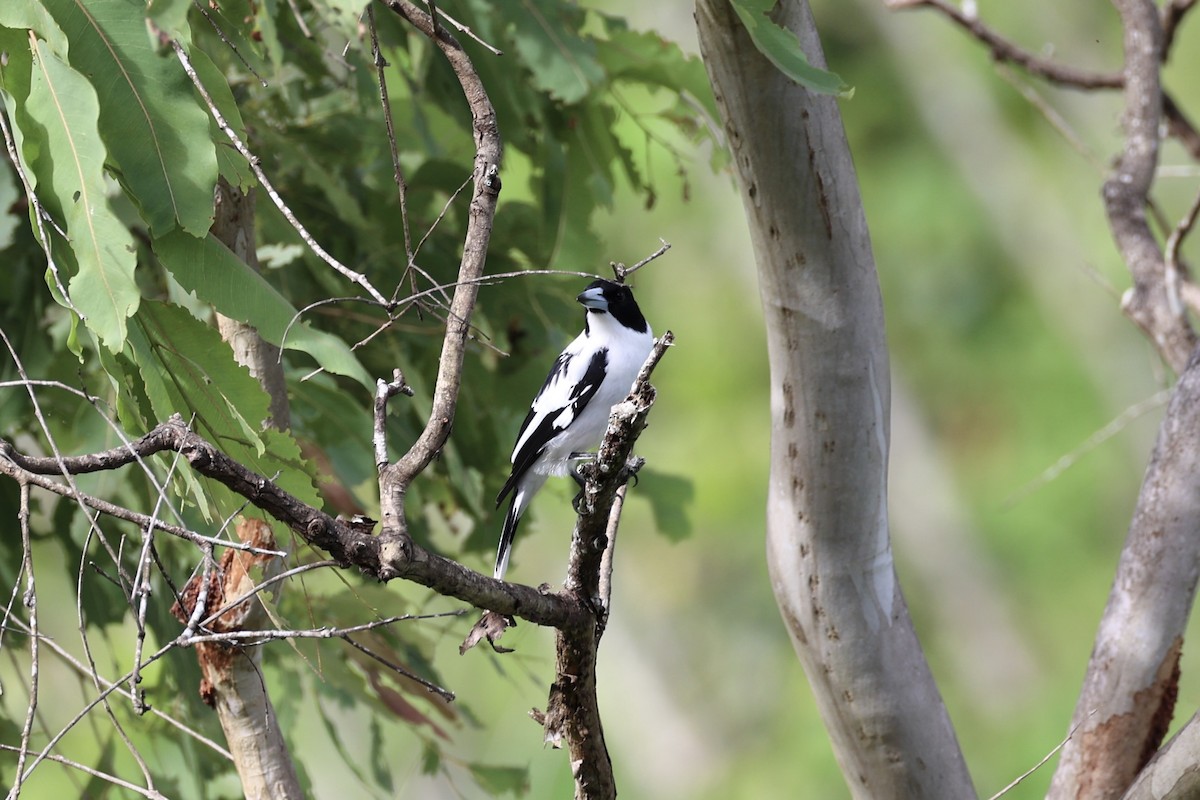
[[828, 549]]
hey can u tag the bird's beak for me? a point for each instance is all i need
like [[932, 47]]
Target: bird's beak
[[593, 299]]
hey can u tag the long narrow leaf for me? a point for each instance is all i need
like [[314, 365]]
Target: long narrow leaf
[[156, 132], [63, 106]]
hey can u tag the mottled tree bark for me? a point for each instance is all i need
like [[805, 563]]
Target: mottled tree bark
[[827, 535]]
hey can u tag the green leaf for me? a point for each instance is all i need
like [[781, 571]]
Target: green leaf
[[669, 496], [156, 133], [782, 48], [217, 276], [501, 780], [34, 16], [8, 202], [64, 107], [189, 370], [230, 163], [562, 62]]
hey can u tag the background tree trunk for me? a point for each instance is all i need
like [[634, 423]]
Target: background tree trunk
[[239, 692], [827, 533]]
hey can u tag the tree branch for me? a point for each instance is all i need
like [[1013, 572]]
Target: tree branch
[[1005, 51], [394, 479], [1127, 189], [572, 710], [828, 545], [377, 556], [1128, 694], [1173, 773]]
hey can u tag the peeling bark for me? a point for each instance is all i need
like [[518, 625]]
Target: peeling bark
[[1129, 691]]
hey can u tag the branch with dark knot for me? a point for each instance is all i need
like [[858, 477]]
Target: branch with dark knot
[[383, 557]]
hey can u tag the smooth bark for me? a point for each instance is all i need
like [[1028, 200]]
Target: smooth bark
[[827, 534]]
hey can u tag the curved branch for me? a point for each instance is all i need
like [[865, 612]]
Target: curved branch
[[1127, 189], [381, 557], [1173, 773], [828, 546], [395, 478], [1005, 51]]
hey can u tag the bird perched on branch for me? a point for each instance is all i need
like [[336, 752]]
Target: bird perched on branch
[[570, 413]]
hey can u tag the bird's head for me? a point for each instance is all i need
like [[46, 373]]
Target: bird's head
[[603, 297]]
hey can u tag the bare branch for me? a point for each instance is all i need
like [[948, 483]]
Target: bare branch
[[1171, 774], [1005, 51], [572, 712], [1127, 189], [394, 479], [384, 391], [1173, 13], [108, 685], [1132, 694], [397, 171], [461, 28], [384, 557], [256, 166], [95, 773], [1021, 778], [30, 602], [622, 272]]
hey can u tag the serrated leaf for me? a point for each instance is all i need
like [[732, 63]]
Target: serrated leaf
[[189, 370], [648, 58], [783, 50], [64, 107], [33, 16], [562, 62], [217, 276], [155, 131]]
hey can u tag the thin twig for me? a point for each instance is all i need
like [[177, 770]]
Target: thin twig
[[445, 694], [95, 773], [93, 669], [1051, 115], [82, 669], [30, 601], [40, 214], [397, 169], [461, 28], [1067, 460], [384, 391], [266, 584], [1004, 50], [1175, 272], [1036, 766], [1173, 13], [300, 23], [253, 638], [622, 272], [203, 9], [256, 166], [10, 467]]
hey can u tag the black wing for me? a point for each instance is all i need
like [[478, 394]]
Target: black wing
[[568, 389]]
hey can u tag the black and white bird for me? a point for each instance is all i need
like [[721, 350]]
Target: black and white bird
[[570, 413]]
